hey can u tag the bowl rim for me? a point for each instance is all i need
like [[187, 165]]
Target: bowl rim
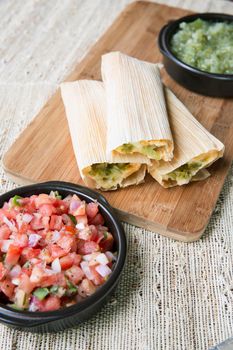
[[171, 27], [10, 315]]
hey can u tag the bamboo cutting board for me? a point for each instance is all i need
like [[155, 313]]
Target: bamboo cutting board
[[44, 151]]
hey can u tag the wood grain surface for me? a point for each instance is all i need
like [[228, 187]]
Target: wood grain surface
[[44, 151]]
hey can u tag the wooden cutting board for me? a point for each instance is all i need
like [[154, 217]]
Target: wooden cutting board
[[44, 151]]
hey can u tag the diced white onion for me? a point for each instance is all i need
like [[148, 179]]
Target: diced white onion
[[80, 226], [103, 270], [15, 281], [5, 244], [27, 218], [74, 205], [36, 274], [55, 236], [102, 259], [33, 239], [50, 272], [15, 271], [85, 267], [37, 215], [33, 305], [56, 266], [84, 234], [87, 257], [9, 224], [110, 256]]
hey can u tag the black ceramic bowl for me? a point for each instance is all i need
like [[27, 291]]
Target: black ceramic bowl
[[210, 84], [58, 320]]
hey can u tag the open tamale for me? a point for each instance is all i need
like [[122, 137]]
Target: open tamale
[[195, 148], [84, 102], [136, 109]]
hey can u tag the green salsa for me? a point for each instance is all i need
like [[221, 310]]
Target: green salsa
[[205, 45]]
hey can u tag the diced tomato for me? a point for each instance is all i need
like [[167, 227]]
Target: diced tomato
[[47, 209], [55, 222], [8, 213], [66, 242], [97, 279], [92, 210], [106, 243], [57, 279], [70, 229], [7, 288], [30, 253], [27, 270], [75, 274], [70, 259], [41, 199], [36, 223], [94, 233], [51, 303], [45, 255], [3, 271], [86, 288], [97, 220], [4, 232], [66, 262], [67, 220], [21, 240], [86, 247], [25, 284], [56, 251], [12, 255], [23, 228], [45, 222], [77, 258]]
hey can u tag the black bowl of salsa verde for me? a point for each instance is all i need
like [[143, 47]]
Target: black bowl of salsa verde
[[72, 314], [196, 51]]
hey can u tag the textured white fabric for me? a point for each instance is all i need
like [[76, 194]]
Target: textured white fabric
[[172, 296]]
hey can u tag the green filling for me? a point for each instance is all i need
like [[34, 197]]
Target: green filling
[[41, 293], [108, 174], [205, 45], [185, 172], [149, 150], [127, 148]]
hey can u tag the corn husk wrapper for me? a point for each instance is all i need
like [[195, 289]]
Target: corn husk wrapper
[[84, 102], [136, 108], [191, 141]]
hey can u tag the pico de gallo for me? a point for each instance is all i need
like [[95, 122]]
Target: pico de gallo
[[54, 251]]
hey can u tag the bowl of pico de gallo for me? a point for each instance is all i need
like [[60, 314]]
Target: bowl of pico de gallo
[[62, 251]]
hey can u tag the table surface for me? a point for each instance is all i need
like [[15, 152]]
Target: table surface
[[172, 296]]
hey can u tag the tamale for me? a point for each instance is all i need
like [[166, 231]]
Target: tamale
[[84, 103], [195, 148], [136, 109]]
